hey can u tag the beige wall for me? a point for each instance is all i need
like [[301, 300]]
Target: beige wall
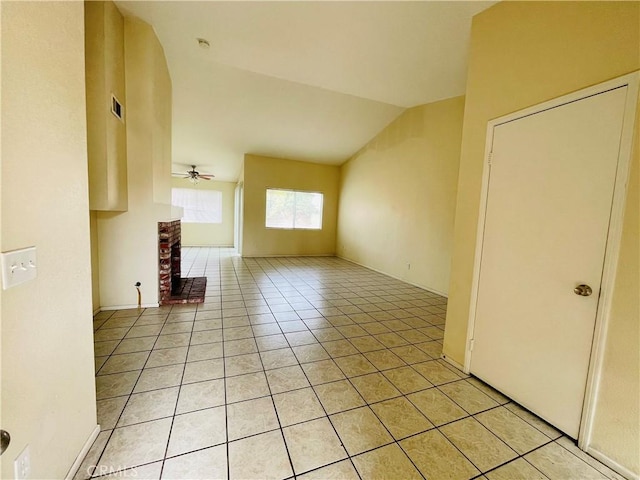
[[95, 261], [397, 196], [210, 234], [48, 399], [261, 173], [521, 54], [128, 242]]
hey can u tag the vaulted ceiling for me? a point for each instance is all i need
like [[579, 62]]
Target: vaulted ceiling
[[304, 80]]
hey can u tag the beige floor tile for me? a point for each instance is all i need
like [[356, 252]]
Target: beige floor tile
[[209, 336], [478, 444], [110, 334], [171, 341], [109, 411], [266, 329], [391, 340], [197, 396], [88, 464], [435, 372], [292, 326], [246, 387], [531, 419], [339, 348], [207, 464], [152, 405], [213, 324], [512, 430], [401, 418], [313, 444], [355, 365], [468, 396], [298, 406], [374, 387], [268, 454], [136, 445], [360, 430], [518, 469], [272, 342], [366, 344], [296, 339], [124, 363], [242, 364], [324, 371], [413, 336], [237, 333], [338, 396], [251, 417], [196, 430], [286, 378], [203, 370], [115, 385], [167, 356], [350, 331], [436, 406], [433, 348], [388, 462], [558, 463], [327, 334], [487, 390], [384, 359], [159, 377], [436, 457], [130, 345], [336, 471], [310, 353], [374, 328], [178, 327], [282, 357], [407, 380], [101, 349], [411, 354], [204, 352], [571, 446]]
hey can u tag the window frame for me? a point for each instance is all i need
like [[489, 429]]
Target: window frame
[[294, 191]]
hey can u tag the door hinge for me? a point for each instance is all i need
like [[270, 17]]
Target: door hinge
[[471, 342], [490, 158]]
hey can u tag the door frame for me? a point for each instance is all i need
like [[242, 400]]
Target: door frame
[[614, 235]]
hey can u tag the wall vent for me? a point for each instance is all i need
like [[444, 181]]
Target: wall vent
[[116, 108]]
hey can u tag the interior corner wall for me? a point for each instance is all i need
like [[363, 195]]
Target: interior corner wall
[[48, 389], [261, 173], [95, 261], [128, 241], [522, 54], [210, 234], [397, 196]]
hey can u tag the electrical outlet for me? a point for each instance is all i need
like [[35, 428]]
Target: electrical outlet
[[22, 465]]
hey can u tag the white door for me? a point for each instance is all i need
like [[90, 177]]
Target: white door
[[551, 182]]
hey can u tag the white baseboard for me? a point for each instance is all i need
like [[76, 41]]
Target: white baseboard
[[126, 307], [83, 453], [612, 464], [289, 255], [97, 311], [428, 289]]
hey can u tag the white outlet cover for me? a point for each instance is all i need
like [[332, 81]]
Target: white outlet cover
[[22, 465], [18, 266]]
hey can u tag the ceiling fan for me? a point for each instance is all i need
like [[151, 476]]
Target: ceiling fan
[[193, 175]]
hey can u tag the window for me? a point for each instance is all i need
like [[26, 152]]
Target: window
[[291, 209], [200, 206]]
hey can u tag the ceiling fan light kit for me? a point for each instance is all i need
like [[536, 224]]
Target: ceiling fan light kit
[[194, 176]]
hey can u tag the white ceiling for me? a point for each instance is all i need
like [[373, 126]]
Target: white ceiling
[[311, 81]]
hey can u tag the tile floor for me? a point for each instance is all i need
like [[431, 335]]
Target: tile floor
[[312, 368]]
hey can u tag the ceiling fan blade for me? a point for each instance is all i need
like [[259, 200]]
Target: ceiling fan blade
[[204, 178], [173, 174], [208, 176]]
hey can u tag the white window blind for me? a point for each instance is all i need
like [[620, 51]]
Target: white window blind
[[294, 210], [200, 206]]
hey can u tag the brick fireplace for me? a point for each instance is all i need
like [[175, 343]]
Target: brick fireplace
[[173, 288]]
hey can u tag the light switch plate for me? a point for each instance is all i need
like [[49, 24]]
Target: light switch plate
[[18, 266]]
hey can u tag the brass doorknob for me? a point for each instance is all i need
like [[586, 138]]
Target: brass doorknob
[[583, 290]]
